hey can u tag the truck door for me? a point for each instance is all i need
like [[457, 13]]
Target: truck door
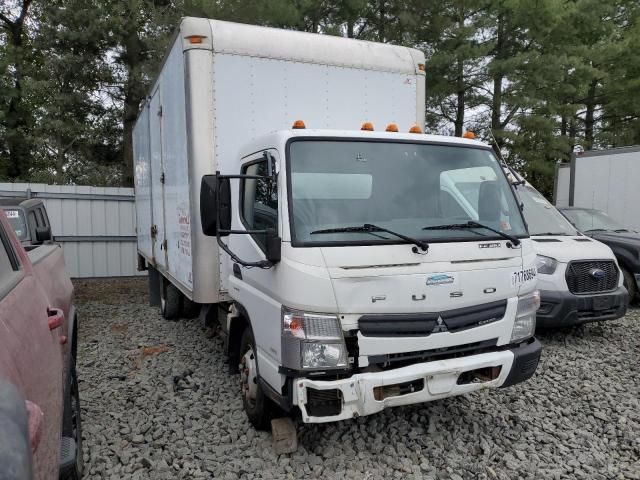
[[158, 238], [31, 352], [254, 287]]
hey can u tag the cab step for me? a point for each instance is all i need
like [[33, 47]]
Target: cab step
[[68, 453]]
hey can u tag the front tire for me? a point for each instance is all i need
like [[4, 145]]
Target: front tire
[[170, 300], [629, 283], [258, 407]]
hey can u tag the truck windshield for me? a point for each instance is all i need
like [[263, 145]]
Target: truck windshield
[[17, 221], [542, 217], [400, 186]]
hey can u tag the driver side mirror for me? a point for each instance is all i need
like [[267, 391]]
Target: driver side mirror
[[215, 204], [43, 234]]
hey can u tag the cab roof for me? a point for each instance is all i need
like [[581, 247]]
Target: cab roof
[[19, 202], [280, 137]]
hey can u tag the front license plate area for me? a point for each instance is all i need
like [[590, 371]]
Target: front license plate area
[[602, 303]]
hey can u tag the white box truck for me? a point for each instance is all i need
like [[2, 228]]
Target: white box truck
[[350, 268]]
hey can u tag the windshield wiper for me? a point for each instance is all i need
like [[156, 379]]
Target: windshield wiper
[[369, 228], [596, 230], [551, 234], [621, 230], [472, 224]]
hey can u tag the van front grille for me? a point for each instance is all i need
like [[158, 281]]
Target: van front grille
[[593, 276]]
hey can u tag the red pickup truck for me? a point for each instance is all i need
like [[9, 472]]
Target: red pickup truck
[[38, 344]]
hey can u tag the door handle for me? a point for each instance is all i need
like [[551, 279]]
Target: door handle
[[56, 318]]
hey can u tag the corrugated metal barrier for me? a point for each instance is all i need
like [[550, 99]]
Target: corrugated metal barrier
[[95, 225]]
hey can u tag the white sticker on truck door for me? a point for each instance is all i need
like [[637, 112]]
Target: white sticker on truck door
[[521, 277]]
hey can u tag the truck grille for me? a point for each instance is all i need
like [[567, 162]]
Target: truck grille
[[582, 276], [424, 324]]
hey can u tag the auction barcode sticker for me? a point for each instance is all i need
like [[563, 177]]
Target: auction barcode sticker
[[12, 213]]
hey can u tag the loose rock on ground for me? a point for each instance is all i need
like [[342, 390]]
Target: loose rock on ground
[[158, 403]]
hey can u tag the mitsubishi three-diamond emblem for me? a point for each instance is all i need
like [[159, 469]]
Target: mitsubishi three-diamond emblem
[[440, 327]]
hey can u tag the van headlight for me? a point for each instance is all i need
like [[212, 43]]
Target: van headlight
[[525, 323], [312, 341], [546, 265]]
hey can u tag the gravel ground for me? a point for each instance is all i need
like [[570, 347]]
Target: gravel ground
[[158, 403]]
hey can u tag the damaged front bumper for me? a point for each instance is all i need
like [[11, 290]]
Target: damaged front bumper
[[362, 394]]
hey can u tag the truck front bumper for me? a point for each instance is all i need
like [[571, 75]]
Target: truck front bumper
[[562, 309], [362, 394]]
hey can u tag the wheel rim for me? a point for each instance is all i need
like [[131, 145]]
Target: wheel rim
[[249, 376]]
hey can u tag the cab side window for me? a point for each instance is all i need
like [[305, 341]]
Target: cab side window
[[259, 201], [9, 264]]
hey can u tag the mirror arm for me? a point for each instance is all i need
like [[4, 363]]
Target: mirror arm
[[224, 246]]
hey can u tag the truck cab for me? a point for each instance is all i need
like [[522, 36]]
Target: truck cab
[[29, 219], [578, 277], [371, 269]]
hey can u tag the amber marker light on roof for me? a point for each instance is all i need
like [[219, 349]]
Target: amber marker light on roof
[[298, 125], [421, 67], [195, 39], [415, 129], [469, 135], [392, 127], [368, 126]]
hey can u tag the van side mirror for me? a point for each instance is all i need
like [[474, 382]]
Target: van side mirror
[[43, 234], [215, 204], [273, 244]]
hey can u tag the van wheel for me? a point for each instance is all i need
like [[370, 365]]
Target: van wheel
[[258, 407], [73, 425], [170, 300], [629, 282]]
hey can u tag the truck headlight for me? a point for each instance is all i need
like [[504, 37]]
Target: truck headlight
[[546, 265], [525, 323], [312, 341]]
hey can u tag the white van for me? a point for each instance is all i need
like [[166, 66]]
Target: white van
[[579, 278]]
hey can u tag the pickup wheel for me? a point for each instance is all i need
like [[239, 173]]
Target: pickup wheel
[[629, 282], [258, 407], [170, 300], [73, 426]]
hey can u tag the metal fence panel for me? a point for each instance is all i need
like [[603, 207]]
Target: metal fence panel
[[95, 225]]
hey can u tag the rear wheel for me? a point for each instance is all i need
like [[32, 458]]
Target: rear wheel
[[170, 300], [190, 309], [258, 407], [630, 284]]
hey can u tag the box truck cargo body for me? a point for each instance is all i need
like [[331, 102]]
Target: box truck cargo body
[[350, 269], [605, 180]]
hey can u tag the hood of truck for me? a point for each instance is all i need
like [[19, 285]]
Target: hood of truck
[[393, 279], [568, 248]]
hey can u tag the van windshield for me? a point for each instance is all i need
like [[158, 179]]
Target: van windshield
[[400, 186], [542, 217]]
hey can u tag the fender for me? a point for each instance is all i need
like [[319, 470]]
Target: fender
[[241, 320]]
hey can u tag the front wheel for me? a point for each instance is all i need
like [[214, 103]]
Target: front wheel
[[629, 283], [258, 407]]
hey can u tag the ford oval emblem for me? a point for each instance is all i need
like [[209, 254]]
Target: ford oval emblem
[[597, 273]]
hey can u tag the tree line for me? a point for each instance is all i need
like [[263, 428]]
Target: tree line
[[539, 79]]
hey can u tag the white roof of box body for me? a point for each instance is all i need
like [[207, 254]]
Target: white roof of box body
[[265, 42]]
